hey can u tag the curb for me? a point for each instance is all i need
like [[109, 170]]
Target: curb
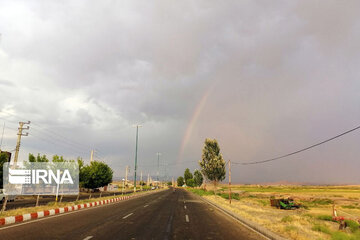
[[41, 214], [249, 224]]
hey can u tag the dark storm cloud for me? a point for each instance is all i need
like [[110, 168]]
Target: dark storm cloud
[[284, 74]]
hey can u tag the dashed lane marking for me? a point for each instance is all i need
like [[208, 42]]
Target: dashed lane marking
[[187, 218], [128, 215]]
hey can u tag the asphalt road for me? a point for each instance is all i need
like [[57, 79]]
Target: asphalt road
[[43, 200], [162, 215]]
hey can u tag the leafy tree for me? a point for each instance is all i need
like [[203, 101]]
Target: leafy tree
[[198, 178], [169, 183], [180, 181], [190, 182], [38, 158], [212, 163], [187, 175], [3, 159], [95, 175], [57, 158]]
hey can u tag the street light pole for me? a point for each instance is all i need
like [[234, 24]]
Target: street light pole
[[136, 149], [158, 155]]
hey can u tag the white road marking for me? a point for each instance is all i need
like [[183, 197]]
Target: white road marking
[[187, 218], [88, 237], [184, 206], [128, 215], [146, 205]]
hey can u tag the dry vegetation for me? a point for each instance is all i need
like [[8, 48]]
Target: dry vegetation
[[312, 221]]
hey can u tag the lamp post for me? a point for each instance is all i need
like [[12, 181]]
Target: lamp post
[[136, 149]]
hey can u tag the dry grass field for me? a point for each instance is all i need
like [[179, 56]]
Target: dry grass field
[[312, 221]]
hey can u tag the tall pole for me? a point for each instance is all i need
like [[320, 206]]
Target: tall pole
[[20, 133], [141, 181], [230, 181], [126, 174], [21, 128], [158, 160], [136, 149], [92, 155], [2, 135]]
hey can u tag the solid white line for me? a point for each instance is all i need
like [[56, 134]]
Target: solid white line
[[146, 205], [187, 218], [128, 215], [88, 237]]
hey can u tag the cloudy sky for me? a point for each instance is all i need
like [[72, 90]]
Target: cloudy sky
[[263, 78]]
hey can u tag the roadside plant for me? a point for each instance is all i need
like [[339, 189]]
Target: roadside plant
[[212, 163]]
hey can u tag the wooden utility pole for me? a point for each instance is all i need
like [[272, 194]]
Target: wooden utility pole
[[230, 181], [17, 149], [21, 128], [92, 155]]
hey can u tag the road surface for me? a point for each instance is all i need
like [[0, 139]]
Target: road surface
[[162, 215]]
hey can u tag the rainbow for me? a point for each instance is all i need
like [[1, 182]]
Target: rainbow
[[193, 120]]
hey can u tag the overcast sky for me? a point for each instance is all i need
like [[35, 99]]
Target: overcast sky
[[263, 78]]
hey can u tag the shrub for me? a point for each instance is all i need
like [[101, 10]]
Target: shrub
[[325, 218], [354, 226], [287, 219], [321, 228]]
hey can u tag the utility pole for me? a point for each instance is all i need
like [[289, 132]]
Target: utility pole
[[136, 150], [148, 180], [230, 181], [20, 133], [92, 155], [126, 174], [158, 158], [141, 181], [2, 136]]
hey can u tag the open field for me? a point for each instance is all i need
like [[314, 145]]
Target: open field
[[312, 221]]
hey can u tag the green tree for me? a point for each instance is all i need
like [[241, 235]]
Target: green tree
[[198, 178], [95, 175], [57, 158], [3, 159], [38, 158], [187, 175], [212, 163], [190, 182], [180, 181]]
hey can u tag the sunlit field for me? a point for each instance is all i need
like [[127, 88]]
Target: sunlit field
[[313, 220]]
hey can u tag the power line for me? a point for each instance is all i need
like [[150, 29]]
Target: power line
[[299, 151]]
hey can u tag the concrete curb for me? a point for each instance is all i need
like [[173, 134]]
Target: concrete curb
[[254, 226], [40, 214]]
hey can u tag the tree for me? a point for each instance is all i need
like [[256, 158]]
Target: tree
[[180, 181], [38, 158], [95, 175], [187, 175], [3, 159], [212, 163], [198, 178], [190, 182]]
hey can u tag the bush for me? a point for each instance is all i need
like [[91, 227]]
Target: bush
[[325, 218], [321, 228], [287, 219], [354, 226], [190, 182]]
